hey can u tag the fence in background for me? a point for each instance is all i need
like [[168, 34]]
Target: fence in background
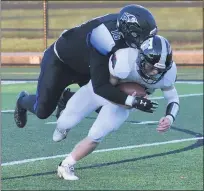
[[41, 22], [18, 16]]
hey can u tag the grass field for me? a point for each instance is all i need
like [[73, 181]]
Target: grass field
[[167, 18], [183, 73], [169, 161]]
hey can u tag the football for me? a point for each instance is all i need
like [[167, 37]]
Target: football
[[131, 87]]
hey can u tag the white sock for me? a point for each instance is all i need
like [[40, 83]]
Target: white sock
[[69, 160]]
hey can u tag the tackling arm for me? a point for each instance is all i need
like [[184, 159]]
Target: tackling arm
[[100, 51], [100, 80], [172, 109], [100, 76]]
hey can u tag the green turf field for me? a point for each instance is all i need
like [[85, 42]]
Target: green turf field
[[155, 162]]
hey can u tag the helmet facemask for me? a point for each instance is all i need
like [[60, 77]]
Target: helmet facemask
[[130, 33], [155, 59], [150, 73]]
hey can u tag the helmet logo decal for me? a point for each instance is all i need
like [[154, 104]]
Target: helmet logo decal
[[147, 44], [129, 18], [116, 35], [164, 51]]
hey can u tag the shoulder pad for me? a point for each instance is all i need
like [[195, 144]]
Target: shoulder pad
[[120, 63], [102, 40]]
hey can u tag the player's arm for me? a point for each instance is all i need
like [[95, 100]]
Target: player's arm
[[102, 44], [172, 109], [100, 80]]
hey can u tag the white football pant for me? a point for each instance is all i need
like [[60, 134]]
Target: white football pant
[[85, 101]]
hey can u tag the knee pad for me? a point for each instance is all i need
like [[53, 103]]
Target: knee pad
[[43, 109], [67, 121], [42, 113], [98, 134], [95, 139]]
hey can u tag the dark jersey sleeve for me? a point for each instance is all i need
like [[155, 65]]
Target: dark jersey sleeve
[[100, 78]]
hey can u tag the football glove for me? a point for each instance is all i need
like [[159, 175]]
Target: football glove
[[144, 104]]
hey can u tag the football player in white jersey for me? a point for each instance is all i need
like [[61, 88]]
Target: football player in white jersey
[[151, 66]]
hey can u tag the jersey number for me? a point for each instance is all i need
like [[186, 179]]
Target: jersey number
[[148, 44]]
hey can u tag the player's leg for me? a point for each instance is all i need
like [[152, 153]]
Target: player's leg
[[64, 98], [81, 80], [110, 118], [53, 78], [78, 107]]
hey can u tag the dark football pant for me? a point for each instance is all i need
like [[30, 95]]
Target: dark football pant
[[54, 77]]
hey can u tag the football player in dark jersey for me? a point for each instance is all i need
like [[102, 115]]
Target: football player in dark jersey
[[82, 53]]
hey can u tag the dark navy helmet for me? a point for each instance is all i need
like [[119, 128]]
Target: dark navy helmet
[[136, 24], [155, 59]]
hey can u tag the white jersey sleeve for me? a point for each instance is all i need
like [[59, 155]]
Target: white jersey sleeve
[[170, 77], [121, 62]]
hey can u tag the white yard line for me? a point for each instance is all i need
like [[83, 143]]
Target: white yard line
[[102, 150], [184, 95], [5, 82], [16, 82], [145, 122], [136, 123], [7, 111], [189, 82]]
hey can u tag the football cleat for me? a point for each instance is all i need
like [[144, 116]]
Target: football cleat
[[20, 114], [66, 95], [59, 135], [66, 172]]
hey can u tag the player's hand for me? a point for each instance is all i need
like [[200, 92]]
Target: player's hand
[[164, 124], [145, 104]]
